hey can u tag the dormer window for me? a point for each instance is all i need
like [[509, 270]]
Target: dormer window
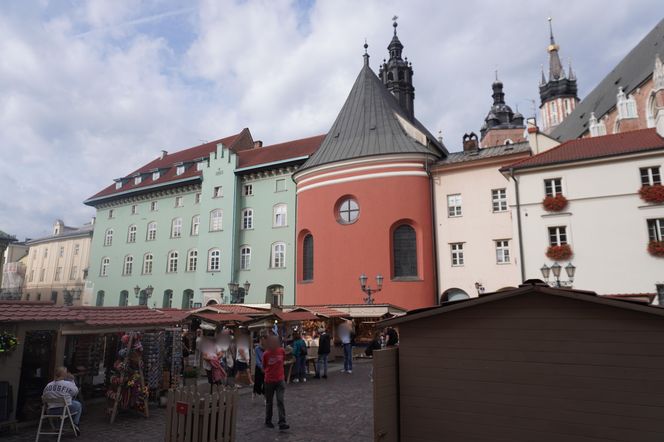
[[118, 185], [155, 176], [626, 105], [138, 179], [179, 170], [597, 127], [200, 165]]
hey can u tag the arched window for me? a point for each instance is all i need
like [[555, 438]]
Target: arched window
[[245, 257], [280, 218], [168, 299], [390, 76], [152, 231], [404, 251], [195, 225], [176, 228], [128, 265], [216, 220], [147, 264], [192, 260], [248, 219], [100, 298], [214, 260], [187, 298], [124, 298], [105, 264], [278, 256], [454, 294], [172, 262], [308, 258], [275, 295], [108, 237], [131, 234], [651, 110], [401, 76]]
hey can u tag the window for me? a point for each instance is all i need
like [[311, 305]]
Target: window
[[215, 220], [275, 295], [124, 298], [179, 170], [168, 299], [42, 275], [105, 264], [154, 205], [195, 225], [349, 211], [187, 298], [77, 248], [553, 186], [280, 185], [200, 165], [197, 198], [131, 234], [73, 273], [61, 251], [176, 228], [650, 176], [245, 258], [457, 254], [172, 262], [100, 298], [46, 253], [134, 209], [128, 265], [248, 190], [404, 252], [214, 260], [247, 219], [152, 231], [32, 276], [502, 251], [110, 214], [192, 260], [118, 185], [179, 201], [626, 105], [557, 235], [218, 192], [597, 127], [280, 215], [137, 180], [278, 258], [454, 205], [499, 200], [108, 237], [155, 175], [147, 264], [58, 272], [554, 113], [308, 258], [656, 229]]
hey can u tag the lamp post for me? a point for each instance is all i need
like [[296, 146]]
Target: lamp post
[[143, 295], [238, 292], [570, 270], [368, 290]]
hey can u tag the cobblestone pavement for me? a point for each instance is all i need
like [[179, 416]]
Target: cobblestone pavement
[[336, 409]]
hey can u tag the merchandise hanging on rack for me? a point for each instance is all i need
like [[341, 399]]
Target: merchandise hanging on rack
[[153, 355], [127, 388], [173, 356]]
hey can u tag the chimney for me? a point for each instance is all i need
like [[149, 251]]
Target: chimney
[[258, 143], [163, 154], [470, 143]]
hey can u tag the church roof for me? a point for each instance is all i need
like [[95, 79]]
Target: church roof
[[369, 125], [634, 69]]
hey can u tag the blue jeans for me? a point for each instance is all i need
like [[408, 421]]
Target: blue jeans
[[348, 357], [74, 407], [322, 364], [301, 367]]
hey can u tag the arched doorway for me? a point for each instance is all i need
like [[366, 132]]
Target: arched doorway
[[167, 302], [275, 295], [453, 294], [187, 298], [100, 298], [124, 298], [212, 302]]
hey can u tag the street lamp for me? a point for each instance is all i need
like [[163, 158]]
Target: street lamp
[[570, 270], [368, 290], [143, 295], [238, 293]]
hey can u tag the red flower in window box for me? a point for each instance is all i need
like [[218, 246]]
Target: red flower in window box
[[652, 194], [554, 203], [562, 252], [656, 248]]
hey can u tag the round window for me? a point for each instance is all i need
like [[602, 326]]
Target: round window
[[348, 211]]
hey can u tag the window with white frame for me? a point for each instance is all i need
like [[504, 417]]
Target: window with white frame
[[103, 271], [348, 211], [553, 186], [46, 249], [152, 231], [214, 260], [131, 234], [192, 260], [245, 258], [197, 198], [557, 235], [218, 192], [134, 209], [61, 252], [278, 256], [176, 228], [154, 206], [179, 201], [195, 225], [73, 273], [108, 237], [650, 176], [179, 170], [280, 215], [553, 106], [280, 185], [597, 127], [155, 175], [454, 205], [128, 265], [216, 220], [42, 275], [32, 275], [147, 263], [247, 219], [456, 250], [499, 200], [200, 165], [118, 185], [502, 251], [172, 262], [626, 105], [656, 229], [138, 179], [77, 249], [58, 272], [248, 190]]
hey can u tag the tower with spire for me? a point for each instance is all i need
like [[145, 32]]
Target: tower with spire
[[397, 74], [501, 125], [559, 92]]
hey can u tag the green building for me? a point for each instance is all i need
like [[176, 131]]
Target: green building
[[192, 227]]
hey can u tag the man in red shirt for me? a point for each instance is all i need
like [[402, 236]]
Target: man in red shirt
[[273, 366]]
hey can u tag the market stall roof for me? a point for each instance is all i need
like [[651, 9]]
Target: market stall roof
[[368, 311], [295, 316], [177, 314], [221, 318], [34, 311], [240, 309], [121, 316], [321, 310]]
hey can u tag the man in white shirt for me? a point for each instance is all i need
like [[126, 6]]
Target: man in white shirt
[[63, 390]]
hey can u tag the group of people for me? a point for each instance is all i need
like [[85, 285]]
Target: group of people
[[225, 357]]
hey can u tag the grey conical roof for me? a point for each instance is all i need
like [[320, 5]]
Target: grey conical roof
[[367, 125]]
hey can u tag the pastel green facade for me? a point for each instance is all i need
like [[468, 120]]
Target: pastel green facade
[[271, 186]]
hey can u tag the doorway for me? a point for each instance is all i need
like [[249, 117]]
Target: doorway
[[36, 372]]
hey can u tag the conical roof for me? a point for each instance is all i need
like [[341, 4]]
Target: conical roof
[[369, 125]]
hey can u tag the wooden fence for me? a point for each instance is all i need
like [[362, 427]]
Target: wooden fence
[[386, 395], [192, 416]]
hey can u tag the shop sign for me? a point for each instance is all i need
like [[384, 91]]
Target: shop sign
[[181, 407]]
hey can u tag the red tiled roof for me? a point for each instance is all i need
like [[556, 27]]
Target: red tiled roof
[[296, 316], [222, 317], [237, 308], [19, 311], [280, 152], [321, 310], [595, 147]]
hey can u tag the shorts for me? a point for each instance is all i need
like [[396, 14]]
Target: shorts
[[241, 366]]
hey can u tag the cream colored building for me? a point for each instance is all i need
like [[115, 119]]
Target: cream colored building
[[57, 265]]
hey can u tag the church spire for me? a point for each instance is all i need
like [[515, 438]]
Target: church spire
[[555, 66], [366, 54], [397, 74]]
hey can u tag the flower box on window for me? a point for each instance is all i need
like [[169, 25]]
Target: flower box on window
[[562, 252], [554, 203], [652, 194], [656, 248]]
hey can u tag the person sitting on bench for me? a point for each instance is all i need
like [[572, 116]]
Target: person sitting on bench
[[62, 390]]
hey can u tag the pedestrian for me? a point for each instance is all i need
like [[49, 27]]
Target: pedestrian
[[215, 373], [323, 353], [373, 345], [62, 390], [259, 374], [392, 337], [300, 353], [345, 331], [273, 365], [242, 359]]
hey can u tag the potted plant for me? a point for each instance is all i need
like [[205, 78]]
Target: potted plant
[[656, 248], [554, 203], [8, 342], [562, 252], [652, 194]]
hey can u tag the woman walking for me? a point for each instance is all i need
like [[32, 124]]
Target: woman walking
[[300, 353]]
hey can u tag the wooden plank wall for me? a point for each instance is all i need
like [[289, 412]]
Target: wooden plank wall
[[533, 368], [386, 395]]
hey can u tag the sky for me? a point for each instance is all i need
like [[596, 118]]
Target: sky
[[89, 91]]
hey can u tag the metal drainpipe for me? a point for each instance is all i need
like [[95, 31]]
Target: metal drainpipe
[[435, 233], [518, 223], [295, 243], [234, 246]]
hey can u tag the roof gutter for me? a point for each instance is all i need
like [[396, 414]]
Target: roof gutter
[[141, 189], [522, 263], [273, 163]]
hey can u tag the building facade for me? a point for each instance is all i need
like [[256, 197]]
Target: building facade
[[501, 125], [13, 271]]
